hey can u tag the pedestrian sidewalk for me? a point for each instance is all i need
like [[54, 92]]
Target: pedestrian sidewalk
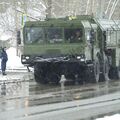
[[18, 69], [13, 76]]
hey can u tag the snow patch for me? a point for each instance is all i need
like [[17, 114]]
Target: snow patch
[[5, 37], [14, 62], [113, 117]]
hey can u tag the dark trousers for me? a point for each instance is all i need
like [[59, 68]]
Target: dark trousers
[[3, 66]]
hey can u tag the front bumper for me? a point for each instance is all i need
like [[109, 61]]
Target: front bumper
[[32, 59]]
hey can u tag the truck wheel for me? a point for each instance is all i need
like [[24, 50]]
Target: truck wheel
[[106, 69], [70, 78], [53, 77], [118, 72], [114, 73], [96, 71], [82, 77], [39, 74]]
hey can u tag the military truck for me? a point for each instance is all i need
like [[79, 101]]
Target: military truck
[[82, 48]]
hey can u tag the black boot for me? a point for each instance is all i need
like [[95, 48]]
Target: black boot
[[3, 73]]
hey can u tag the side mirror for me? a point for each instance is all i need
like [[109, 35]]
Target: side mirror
[[18, 37]]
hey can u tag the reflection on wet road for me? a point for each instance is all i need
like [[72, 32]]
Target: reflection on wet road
[[19, 92]]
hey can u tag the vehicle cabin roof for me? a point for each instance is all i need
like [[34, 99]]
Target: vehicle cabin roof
[[60, 22]]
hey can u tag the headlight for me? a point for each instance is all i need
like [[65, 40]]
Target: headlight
[[82, 59], [23, 60], [78, 57], [27, 57]]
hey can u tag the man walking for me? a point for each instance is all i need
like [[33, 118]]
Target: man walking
[[4, 59]]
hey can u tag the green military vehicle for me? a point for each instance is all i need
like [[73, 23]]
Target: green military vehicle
[[83, 48]]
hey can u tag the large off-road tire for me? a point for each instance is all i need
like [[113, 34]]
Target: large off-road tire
[[70, 78], [70, 71], [39, 78], [39, 74], [114, 73], [118, 72], [82, 76], [95, 71], [105, 69], [53, 77], [47, 73]]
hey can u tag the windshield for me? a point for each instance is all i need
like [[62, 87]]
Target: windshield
[[38, 35], [34, 35], [54, 35], [73, 35]]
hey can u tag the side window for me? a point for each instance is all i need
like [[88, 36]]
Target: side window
[[90, 36], [87, 35], [73, 35], [108, 37]]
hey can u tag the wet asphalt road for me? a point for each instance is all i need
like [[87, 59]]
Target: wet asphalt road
[[21, 96]]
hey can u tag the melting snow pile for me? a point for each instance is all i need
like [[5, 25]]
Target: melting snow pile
[[14, 62], [114, 117]]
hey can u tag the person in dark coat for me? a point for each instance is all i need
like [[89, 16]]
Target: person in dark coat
[[4, 59]]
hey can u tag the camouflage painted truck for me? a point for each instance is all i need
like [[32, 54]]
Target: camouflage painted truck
[[84, 49]]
